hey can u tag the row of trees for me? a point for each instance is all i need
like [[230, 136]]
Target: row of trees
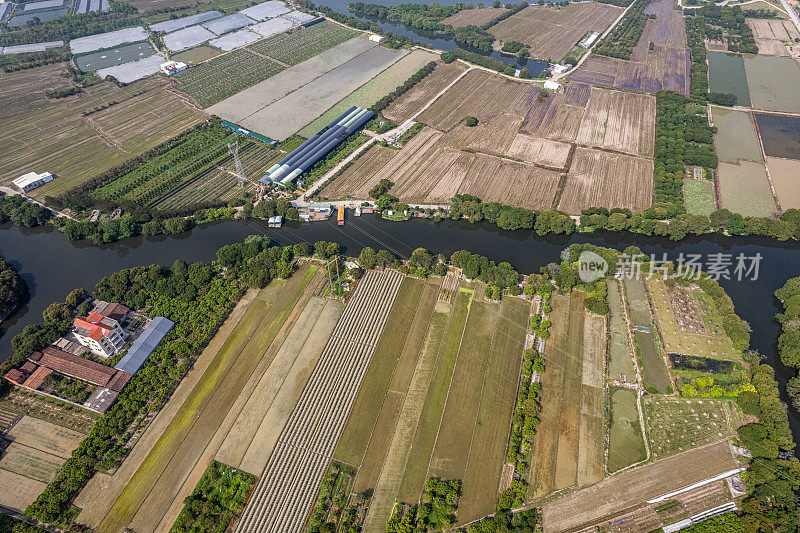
[[415, 78], [623, 38], [732, 20], [13, 290], [15, 62], [789, 340]]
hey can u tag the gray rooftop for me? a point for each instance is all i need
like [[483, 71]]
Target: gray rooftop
[[183, 22], [145, 345], [228, 23], [267, 10]]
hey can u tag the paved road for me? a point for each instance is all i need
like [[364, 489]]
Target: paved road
[[792, 14]]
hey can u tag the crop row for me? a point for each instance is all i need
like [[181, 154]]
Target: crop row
[[295, 469], [292, 48]]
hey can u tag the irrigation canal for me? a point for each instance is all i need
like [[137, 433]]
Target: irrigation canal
[[52, 266]]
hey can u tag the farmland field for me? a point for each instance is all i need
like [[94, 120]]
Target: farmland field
[[619, 121], [284, 117], [177, 451], [780, 135], [167, 182], [726, 74], [770, 35], [412, 101], [224, 75], [18, 491], [736, 135], [773, 83], [30, 462], [654, 367], [604, 179], [675, 425], [88, 141], [617, 493], [45, 436], [375, 89], [785, 177], [665, 67], [475, 17], [552, 32], [698, 196], [625, 442], [620, 367], [688, 322], [567, 447], [307, 442], [744, 189], [299, 45]]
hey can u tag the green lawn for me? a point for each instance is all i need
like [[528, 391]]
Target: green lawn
[[626, 445], [698, 196]]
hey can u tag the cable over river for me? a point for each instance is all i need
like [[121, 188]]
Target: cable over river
[[52, 266]]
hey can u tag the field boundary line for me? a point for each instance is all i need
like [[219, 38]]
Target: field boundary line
[[764, 158]]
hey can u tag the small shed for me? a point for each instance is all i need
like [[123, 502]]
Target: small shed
[[319, 207], [375, 38], [552, 86]]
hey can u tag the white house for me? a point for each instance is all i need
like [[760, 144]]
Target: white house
[[31, 180], [101, 332], [375, 38], [171, 67], [552, 86]]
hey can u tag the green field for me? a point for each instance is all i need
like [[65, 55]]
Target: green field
[[675, 425], [736, 135], [620, 367], [190, 170], [625, 442], [372, 91], [654, 368], [726, 74], [444, 337], [744, 189], [225, 75], [292, 48], [199, 417], [698, 195], [773, 82]]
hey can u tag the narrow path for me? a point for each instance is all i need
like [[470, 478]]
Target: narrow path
[[792, 14]]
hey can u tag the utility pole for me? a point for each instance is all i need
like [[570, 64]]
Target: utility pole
[[233, 149]]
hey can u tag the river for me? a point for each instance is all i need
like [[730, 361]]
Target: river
[[52, 266], [434, 40]]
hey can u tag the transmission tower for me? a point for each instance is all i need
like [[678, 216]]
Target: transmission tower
[[233, 149]]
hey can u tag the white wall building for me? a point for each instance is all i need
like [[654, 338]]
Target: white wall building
[[103, 335], [31, 180]]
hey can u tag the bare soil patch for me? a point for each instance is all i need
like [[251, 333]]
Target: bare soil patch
[[619, 121], [476, 17], [415, 99]]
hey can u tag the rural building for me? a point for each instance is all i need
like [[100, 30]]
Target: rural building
[[275, 222], [171, 67], [101, 331], [375, 38], [142, 347], [32, 180], [320, 207], [589, 40], [552, 86], [285, 171]]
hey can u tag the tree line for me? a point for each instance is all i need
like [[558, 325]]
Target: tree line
[[623, 38], [789, 340], [13, 290], [437, 512], [16, 209]]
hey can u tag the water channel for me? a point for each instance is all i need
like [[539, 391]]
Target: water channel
[[52, 266]]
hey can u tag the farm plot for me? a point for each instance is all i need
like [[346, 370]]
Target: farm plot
[[245, 103], [196, 55], [618, 493], [604, 179], [744, 189], [556, 117], [552, 32], [186, 437], [780, 135], [726, 74], [653, 365], [540, 151], [111, 39], [292, 48], [18, 491], [222, 76], [167, 181], [625, 442], [418, 96], [770, 35], [698, 196], [301, 456], [30, 462], [135, 70], [620, 367], [785, 177], [40, 435], [736, 136], [619, 121], [375, 89], [284, 117], [567, 448], [468, 98], [253, 435], [665, 67], [688, 323], [773, 83], [77, 150], [476, 17], [676, 425], [114, 57]]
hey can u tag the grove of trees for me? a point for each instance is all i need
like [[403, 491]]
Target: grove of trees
[[13, 289]]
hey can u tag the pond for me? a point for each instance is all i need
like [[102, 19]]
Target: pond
[[52, 266]]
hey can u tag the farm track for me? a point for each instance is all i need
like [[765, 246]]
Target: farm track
[[287, 489]]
